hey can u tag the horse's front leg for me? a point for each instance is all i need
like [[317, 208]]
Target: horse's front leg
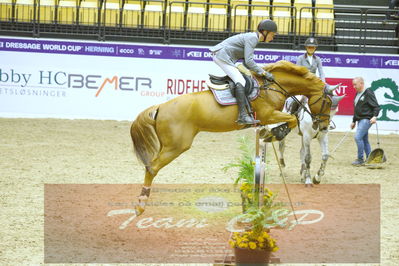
[[323, 141], [279, 117], [306, 159], [275, 117]]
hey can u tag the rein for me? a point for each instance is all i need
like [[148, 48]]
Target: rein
[[315, 117]]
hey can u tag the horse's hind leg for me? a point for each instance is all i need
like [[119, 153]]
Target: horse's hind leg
[[171, 149]]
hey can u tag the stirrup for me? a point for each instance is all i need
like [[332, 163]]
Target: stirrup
[[247, 120]]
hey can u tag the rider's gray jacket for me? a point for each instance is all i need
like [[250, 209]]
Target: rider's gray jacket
[[316, 65], [240, 46]]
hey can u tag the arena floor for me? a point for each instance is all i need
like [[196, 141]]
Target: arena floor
[[39, 151]]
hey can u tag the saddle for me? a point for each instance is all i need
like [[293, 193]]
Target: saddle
[[223, 89]]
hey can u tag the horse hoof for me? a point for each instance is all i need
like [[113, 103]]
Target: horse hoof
[[282, 162], [316, 181], [138, 210]]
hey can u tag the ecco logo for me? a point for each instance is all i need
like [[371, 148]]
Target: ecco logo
[[325, 60]]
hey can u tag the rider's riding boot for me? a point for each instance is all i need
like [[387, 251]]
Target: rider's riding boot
[[243, 116]]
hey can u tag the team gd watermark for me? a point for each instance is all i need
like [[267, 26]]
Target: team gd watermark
[[191, 223]]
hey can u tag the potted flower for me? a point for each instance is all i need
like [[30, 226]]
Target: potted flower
[[253, 243], [252, 247]]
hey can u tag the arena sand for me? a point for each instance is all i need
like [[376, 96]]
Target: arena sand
[[39, 151]]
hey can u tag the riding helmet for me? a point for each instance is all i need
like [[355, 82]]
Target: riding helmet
[[311, 42], [267, 24]]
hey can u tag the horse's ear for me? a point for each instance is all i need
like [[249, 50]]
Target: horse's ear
[[330, 89], [336, 99]]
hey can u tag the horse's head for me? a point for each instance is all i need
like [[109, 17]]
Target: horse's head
[[320, 107], [297, 80], [327, 104]]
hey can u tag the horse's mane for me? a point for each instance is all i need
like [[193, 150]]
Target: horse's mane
[[286, 66]]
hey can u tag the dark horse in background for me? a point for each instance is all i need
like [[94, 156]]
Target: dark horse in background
[[162, 132]]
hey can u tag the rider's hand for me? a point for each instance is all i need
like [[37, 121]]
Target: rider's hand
[[269, 76], [353, 125], [373, 120]]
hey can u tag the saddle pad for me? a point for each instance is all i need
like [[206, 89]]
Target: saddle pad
[[224, 97]]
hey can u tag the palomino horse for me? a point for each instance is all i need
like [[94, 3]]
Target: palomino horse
[[162, 132]]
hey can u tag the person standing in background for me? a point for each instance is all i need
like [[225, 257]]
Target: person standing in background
[[310, 60], [365, 114]]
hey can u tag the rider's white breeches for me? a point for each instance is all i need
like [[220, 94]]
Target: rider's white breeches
[[230, 71]]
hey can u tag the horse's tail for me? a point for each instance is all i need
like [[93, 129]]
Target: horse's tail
[[144, 136]]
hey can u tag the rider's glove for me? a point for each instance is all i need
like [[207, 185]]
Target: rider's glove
[[269, 76]]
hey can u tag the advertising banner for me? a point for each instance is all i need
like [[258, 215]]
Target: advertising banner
[[193, 223], [64, 79]]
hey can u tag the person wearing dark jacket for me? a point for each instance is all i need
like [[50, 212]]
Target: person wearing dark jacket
[[365, 114]]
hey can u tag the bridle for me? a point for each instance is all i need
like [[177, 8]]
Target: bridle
[[316, 118]]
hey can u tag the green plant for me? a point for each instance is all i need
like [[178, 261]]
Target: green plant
[[245, 163]]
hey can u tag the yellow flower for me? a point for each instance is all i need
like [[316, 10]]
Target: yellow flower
[[243, 245], [232, 244], [249, 195], [245, 187], [275, 249], [268, 192], [260, 239], [252, 245]]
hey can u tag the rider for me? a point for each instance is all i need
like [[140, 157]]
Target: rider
[[310, 60], [242, 46]]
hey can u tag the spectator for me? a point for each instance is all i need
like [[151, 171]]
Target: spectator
[[365, 114]]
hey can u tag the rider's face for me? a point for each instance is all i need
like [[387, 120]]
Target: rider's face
[[310, 49], [269, 36]]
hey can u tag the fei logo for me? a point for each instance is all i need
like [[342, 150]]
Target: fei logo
[[392, 62], [387, 93], [194, 54]]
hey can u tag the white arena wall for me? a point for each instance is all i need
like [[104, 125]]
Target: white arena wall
[[42, 78]]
